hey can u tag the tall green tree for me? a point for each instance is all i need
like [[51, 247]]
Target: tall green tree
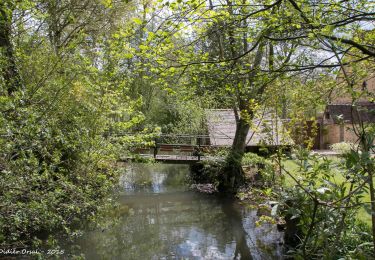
[[238, 49], [61, 93]]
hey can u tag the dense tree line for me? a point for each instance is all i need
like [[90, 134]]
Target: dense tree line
[[61, 91]]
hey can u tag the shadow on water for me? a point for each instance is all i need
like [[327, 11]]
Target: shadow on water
[[163, 219]]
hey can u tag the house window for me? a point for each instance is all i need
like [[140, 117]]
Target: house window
[[327, 115]]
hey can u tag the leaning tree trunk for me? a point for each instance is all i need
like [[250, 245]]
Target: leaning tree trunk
[[233, 176]]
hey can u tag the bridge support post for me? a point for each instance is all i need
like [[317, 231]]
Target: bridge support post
[[155, 148], [199, 149]]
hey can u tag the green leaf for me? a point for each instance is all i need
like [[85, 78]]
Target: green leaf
[[137, 20]]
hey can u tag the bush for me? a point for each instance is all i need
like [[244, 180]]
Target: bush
[[207, 171], [343, 147], [55, 174], [263, 167], [320, 223]]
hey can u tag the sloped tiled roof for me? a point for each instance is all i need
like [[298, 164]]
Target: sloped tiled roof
[[266, 129]]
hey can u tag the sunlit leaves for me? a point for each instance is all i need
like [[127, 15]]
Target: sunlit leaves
[[137, 20], [107, 3]]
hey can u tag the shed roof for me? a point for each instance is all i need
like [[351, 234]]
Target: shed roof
[[266, 129], [348, 113]]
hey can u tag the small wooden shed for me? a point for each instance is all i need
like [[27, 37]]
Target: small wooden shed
[[266, 129]]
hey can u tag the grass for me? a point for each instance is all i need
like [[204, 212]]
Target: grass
[[292, 167]]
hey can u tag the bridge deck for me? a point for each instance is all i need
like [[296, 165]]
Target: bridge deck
[[170, 158], [184, 149]]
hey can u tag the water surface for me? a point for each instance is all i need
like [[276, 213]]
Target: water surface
[[160, 218]]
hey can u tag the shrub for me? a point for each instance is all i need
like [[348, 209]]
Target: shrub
[[263, 167], [207, 171], [55, 174], [320, 216], [343, 147]]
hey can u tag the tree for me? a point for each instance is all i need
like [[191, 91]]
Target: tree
[[61, 93], [10, 74], [243, 47]]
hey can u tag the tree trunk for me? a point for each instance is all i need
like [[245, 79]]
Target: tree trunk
[[54, 25], [233, 176], [239, 142], [8, 70]]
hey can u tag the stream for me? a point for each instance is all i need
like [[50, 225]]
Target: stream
[[160, 218]]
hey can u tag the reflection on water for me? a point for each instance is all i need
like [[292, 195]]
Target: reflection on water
[[166, 221]]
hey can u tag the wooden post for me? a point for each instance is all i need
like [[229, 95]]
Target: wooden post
[[199, 149], [155, 147]]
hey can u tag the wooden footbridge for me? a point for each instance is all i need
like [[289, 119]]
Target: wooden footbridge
[[219, 132], [168, 148]]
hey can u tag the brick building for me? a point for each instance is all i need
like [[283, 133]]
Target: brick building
[[341, 118]]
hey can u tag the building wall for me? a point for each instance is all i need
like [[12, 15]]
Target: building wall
[[334, 133], [331, 135], [350, 136]]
